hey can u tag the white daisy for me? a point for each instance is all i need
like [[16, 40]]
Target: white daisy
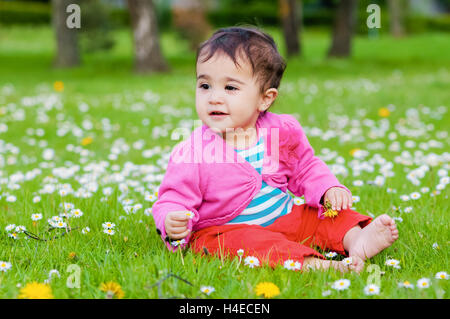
[[13, 235], [77, 213], [341, 284], [207, 289], [355, 199], [148, 212], [423, 283], [441, 275], [20, 229], [240, 252], [10, 227], [415, 195], [11, 198], [190, 215], [61, 224], [179, 242], [331, 254], [108, 225], [36, 217], [109, 231], [404, 198], [5, 266], [405, 284], [36, 199], [372, 289], [425, 189], [408, 209], [292, 264], [347, 261], [251, 261], [85, 230], [299, 201], [358, 183], [435, 246], [393, 263]]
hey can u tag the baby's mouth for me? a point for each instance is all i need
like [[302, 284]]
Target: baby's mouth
[[217, 113]]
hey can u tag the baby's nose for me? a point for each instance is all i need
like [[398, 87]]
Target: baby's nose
[[215, 97]]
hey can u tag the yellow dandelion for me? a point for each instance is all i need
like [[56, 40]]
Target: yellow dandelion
[[72, 255], [58, 86], [267, 289], [112, 290], [35, 290], [384, 112], [329, 212], [86, 141]]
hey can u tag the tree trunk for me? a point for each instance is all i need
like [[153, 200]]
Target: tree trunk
[[396, 16], [148, 56], [290, 24], [68, 54], [189, 19], [344, 24]]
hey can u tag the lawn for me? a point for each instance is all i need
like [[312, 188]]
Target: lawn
[[90, 146]]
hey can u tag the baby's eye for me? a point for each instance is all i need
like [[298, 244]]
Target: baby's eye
[[231, 88], [204, 86]]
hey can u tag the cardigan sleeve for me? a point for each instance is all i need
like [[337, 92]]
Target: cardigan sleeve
[[179, 191], [310, 176]]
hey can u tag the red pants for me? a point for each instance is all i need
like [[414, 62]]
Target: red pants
[[291, 236]]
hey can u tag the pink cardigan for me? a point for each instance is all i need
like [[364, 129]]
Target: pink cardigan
[[207, 177]]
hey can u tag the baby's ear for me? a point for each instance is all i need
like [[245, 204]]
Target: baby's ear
[[268, 97]]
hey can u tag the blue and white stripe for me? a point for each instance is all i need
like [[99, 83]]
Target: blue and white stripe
[[269, 203]]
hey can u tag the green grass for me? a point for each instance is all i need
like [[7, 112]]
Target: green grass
[[332, 95]]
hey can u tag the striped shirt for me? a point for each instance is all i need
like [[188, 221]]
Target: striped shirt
[[270, 202]]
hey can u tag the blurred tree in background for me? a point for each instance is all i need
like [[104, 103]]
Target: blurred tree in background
[[148, 56], [96, 33], [189, 19], [343, 29], [290, 16], [68, 54], [194, 20]]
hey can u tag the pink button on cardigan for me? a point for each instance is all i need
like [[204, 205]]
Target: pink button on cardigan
[[207, 177]]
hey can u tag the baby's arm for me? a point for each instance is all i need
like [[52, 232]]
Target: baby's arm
[[176, 225], [178, 192], [338, 197]]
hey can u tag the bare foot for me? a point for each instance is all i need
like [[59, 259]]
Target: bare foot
[[313, 263], [372, 239]]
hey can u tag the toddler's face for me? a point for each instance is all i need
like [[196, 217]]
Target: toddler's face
[[227, 96]]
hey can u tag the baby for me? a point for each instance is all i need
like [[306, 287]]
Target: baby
[[225, 189]]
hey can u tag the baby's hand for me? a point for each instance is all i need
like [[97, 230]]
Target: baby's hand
[[339, 198], [176, 224]]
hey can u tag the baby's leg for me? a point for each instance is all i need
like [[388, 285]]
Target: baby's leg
[[319, 264], [372, 239], [271, 248]]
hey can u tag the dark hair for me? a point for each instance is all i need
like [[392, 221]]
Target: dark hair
[[256, 46]]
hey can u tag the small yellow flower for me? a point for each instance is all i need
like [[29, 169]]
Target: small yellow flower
[[267, 289], [86, 141], [329, 212], [72, 255], [384, 112], [35, 290], [58, 86], [112, 290]]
